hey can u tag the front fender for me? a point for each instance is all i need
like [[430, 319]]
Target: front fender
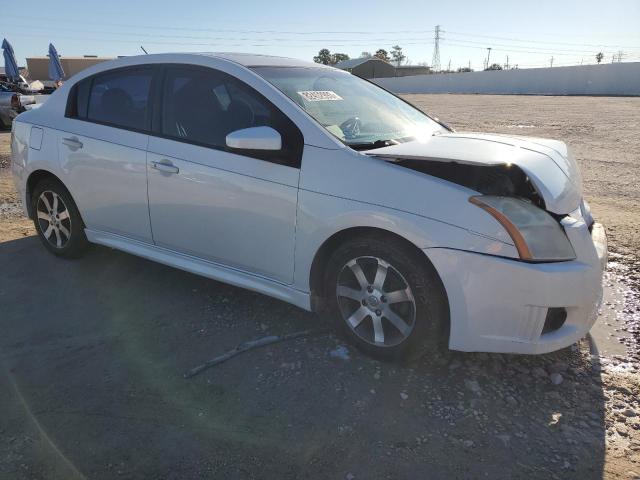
[[321, 216]]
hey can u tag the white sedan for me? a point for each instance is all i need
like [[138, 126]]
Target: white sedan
[[316, 187]]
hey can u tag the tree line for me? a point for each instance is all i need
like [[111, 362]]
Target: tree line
[[396, 56]]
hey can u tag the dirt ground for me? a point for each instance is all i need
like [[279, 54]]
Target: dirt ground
[[92, 354]]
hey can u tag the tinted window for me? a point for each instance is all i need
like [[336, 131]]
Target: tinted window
[[82, 100], [204, 106], [119, 98]]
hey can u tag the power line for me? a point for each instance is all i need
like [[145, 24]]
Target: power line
[[208, 42], [137, 27], [213, 41], [23, 28], [249, 38], [597, 45], [152, 41], [546, 49], [515, 50], [395, 39]]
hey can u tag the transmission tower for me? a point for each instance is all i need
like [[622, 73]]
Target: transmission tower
[[486, 66], [435, 63]]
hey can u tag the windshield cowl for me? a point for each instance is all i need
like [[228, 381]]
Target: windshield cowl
[[373, 145]]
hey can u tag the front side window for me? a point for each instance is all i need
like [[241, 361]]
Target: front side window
[[359, 113], [203, 106], [119, 98]]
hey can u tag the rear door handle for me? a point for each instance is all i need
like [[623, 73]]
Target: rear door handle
[[165, 166], [72, 142]]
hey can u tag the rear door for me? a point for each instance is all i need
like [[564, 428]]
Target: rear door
[[102, 148], [236, 209]]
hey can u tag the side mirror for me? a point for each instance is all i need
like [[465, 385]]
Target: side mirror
[[255, 138]]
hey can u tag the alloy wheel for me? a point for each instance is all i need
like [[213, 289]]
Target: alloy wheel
[[376, 301], [54, 219]]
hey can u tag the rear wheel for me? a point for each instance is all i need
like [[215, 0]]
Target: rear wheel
[[57, 219], [386, 298]]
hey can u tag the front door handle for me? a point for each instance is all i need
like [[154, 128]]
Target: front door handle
[[165, 166], [72, 143]]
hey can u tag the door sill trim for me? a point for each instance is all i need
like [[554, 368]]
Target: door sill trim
[[202, 267]]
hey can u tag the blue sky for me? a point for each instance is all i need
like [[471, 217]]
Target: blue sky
[[530, 33]]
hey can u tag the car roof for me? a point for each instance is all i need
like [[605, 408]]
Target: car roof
[[257, 60], [235, 64]]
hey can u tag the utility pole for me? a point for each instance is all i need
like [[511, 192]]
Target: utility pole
[[620, 54], [488, 56], [507, 64], [469, 65], [435, 63], [551, 62], [449, 66]]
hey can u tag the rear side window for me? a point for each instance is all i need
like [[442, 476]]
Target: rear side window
[[203, 106], [119, 98]]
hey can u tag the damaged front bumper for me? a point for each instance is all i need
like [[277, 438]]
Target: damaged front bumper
[[509, 306]]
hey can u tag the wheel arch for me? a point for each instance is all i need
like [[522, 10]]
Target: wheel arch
[[34, 179], [318, 265]]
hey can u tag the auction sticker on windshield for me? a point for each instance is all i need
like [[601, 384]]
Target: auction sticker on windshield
[[319, 95]]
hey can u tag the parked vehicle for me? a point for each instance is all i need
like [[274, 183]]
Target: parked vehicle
[[13, 102], [316, 187], [8, 106], [20, 84]]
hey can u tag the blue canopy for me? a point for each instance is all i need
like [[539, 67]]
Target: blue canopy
[[10, 64], [56, 72]]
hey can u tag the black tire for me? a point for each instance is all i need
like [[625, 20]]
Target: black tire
[[69, 246], [427, 302]]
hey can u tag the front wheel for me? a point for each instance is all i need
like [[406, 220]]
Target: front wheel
[[386, 298], [57, 219]]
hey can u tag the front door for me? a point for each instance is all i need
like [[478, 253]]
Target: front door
[[235, 209]]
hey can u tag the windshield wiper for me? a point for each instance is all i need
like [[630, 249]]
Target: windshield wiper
[[372, 145]]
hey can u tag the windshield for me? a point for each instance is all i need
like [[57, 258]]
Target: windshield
[[354, 110]]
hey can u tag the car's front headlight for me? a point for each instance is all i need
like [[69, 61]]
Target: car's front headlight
[[537, 236]]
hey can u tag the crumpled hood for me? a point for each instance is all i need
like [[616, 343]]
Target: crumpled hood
[[548, 163]]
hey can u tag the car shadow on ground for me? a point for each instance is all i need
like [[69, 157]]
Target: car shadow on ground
[[94, 351]]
